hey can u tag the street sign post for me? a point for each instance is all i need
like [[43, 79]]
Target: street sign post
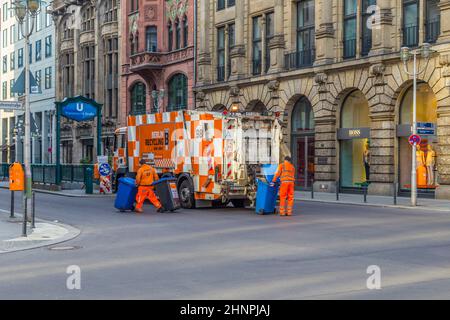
[[11, 106]]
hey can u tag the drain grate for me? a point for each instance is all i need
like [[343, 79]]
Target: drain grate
[[64, 248]]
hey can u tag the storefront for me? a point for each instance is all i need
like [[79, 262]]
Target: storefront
[[426, 152], [354, 142], [302, 133]]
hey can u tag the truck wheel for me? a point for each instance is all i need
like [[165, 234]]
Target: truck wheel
[[186, 193], [238, 203]]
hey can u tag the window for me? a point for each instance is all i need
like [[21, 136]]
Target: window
[[48, 17], [256, 46], [220, 5], [38, 78], [30, 53], [305, 52], [5, 90], [433, 21], [19, 33], [231, 43], [68, 74], [185, 32], [11, 85], [5, 63], [48, 77], [170, 36], [5, 12], [350, 28], [67, 31], [88, 56], [134, 5], [178, 35], [366, 40], [38, 50], [178, 92], [231, 3], [269, 36], [87, 19], [410, 23], [138, 99], [12, 60], [135, 44], [111, 80], [5, 38], [38, 21], [48, 46], [110, 11], [151, 39], [221, 54], [20, 58], [12, 34]]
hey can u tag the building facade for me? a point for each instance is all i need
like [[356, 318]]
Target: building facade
[[87, 64], [42, 63], [332, 69], [157, 56]]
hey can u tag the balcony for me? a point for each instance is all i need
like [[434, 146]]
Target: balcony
[[158, 60], [299, 59], [411, 36], [432, 30]]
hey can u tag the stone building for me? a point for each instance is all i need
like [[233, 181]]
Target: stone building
[[87, 64], [332, 69], [157, 56]]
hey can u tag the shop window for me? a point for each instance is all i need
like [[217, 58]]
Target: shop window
[[355, 144]]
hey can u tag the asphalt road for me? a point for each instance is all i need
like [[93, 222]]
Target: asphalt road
[[321, 253]]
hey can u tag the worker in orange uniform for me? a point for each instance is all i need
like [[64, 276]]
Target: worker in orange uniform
[[146, 175], [286, 173]]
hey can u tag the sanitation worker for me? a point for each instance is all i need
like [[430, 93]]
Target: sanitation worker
[[146, 175], [286, 173]]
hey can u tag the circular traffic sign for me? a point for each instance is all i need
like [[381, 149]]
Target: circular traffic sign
[[414, 139], [104, 169]]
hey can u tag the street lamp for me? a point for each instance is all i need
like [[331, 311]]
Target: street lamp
[[405, 54], [26, 12]]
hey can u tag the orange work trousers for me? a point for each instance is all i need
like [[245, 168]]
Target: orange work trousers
[[286, 198], [146, 192]]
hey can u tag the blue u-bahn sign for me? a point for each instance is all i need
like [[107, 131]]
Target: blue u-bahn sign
[[79, 111]]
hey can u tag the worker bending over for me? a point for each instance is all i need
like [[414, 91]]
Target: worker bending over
[[286, 173], [146, 175]]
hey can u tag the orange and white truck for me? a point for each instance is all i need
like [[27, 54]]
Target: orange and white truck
[[214, 156]]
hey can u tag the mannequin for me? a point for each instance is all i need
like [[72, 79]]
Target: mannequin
[[366, 159], [421, 169], [430, 163]]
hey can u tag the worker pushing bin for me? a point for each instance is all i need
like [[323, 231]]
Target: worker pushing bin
[[126, 194], [166, 190], [266, 198]]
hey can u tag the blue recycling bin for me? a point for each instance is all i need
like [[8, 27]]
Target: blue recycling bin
[[266, 198], [268, 171], [126, 194]]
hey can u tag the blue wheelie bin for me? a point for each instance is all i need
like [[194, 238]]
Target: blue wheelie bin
[[266, 198], [126, 194]]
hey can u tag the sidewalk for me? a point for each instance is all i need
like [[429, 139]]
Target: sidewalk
[[75, 193], [378, 201], [46, 233]]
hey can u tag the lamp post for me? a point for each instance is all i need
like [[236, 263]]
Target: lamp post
[[405, 55], [25, 12]]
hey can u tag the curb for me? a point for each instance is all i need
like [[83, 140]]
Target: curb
[[373, 205], [62, 194], [71, 234]]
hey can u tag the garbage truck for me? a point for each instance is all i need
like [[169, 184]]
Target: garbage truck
[[215, 157]]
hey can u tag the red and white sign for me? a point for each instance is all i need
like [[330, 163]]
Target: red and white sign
[[414, 140]]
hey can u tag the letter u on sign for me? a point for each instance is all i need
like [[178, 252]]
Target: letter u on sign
[[80, 107]]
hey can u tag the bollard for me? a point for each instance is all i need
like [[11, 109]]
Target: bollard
[[24, 226], [12, 205], [33, 211], [337, 190], [395, 193], [88, 181], [365, 194], [312, 189]]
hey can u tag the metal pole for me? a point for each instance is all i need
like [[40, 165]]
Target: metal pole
[[337, 190], [33, 211], [365, 194], [312, 188], [395, 193], [12, 205], [414, 131], [25, 218]]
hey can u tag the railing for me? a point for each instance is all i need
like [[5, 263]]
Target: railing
[[366, 45], [220, 73], [256, 66], [411, 36], [349, 48], [299, 59], [432, 30]]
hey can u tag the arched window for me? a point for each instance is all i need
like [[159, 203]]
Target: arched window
[[302, 116], [185, 32], [355, 111], [138, 98], [178, 92], [178, 35]]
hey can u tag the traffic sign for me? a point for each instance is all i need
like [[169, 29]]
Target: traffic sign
[[414, 139], [11, 105], [104, 169]]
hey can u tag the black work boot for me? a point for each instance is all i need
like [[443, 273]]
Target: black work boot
[[161, 210]]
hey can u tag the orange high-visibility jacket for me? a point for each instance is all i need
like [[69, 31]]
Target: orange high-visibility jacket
[[146, 175], [286, 173]]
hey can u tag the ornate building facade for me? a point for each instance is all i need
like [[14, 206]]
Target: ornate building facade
[[332, 69], [157, 56], [87, 64]]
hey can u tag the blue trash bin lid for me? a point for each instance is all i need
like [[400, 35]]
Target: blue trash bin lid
[[163, 180], [127, 181]]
